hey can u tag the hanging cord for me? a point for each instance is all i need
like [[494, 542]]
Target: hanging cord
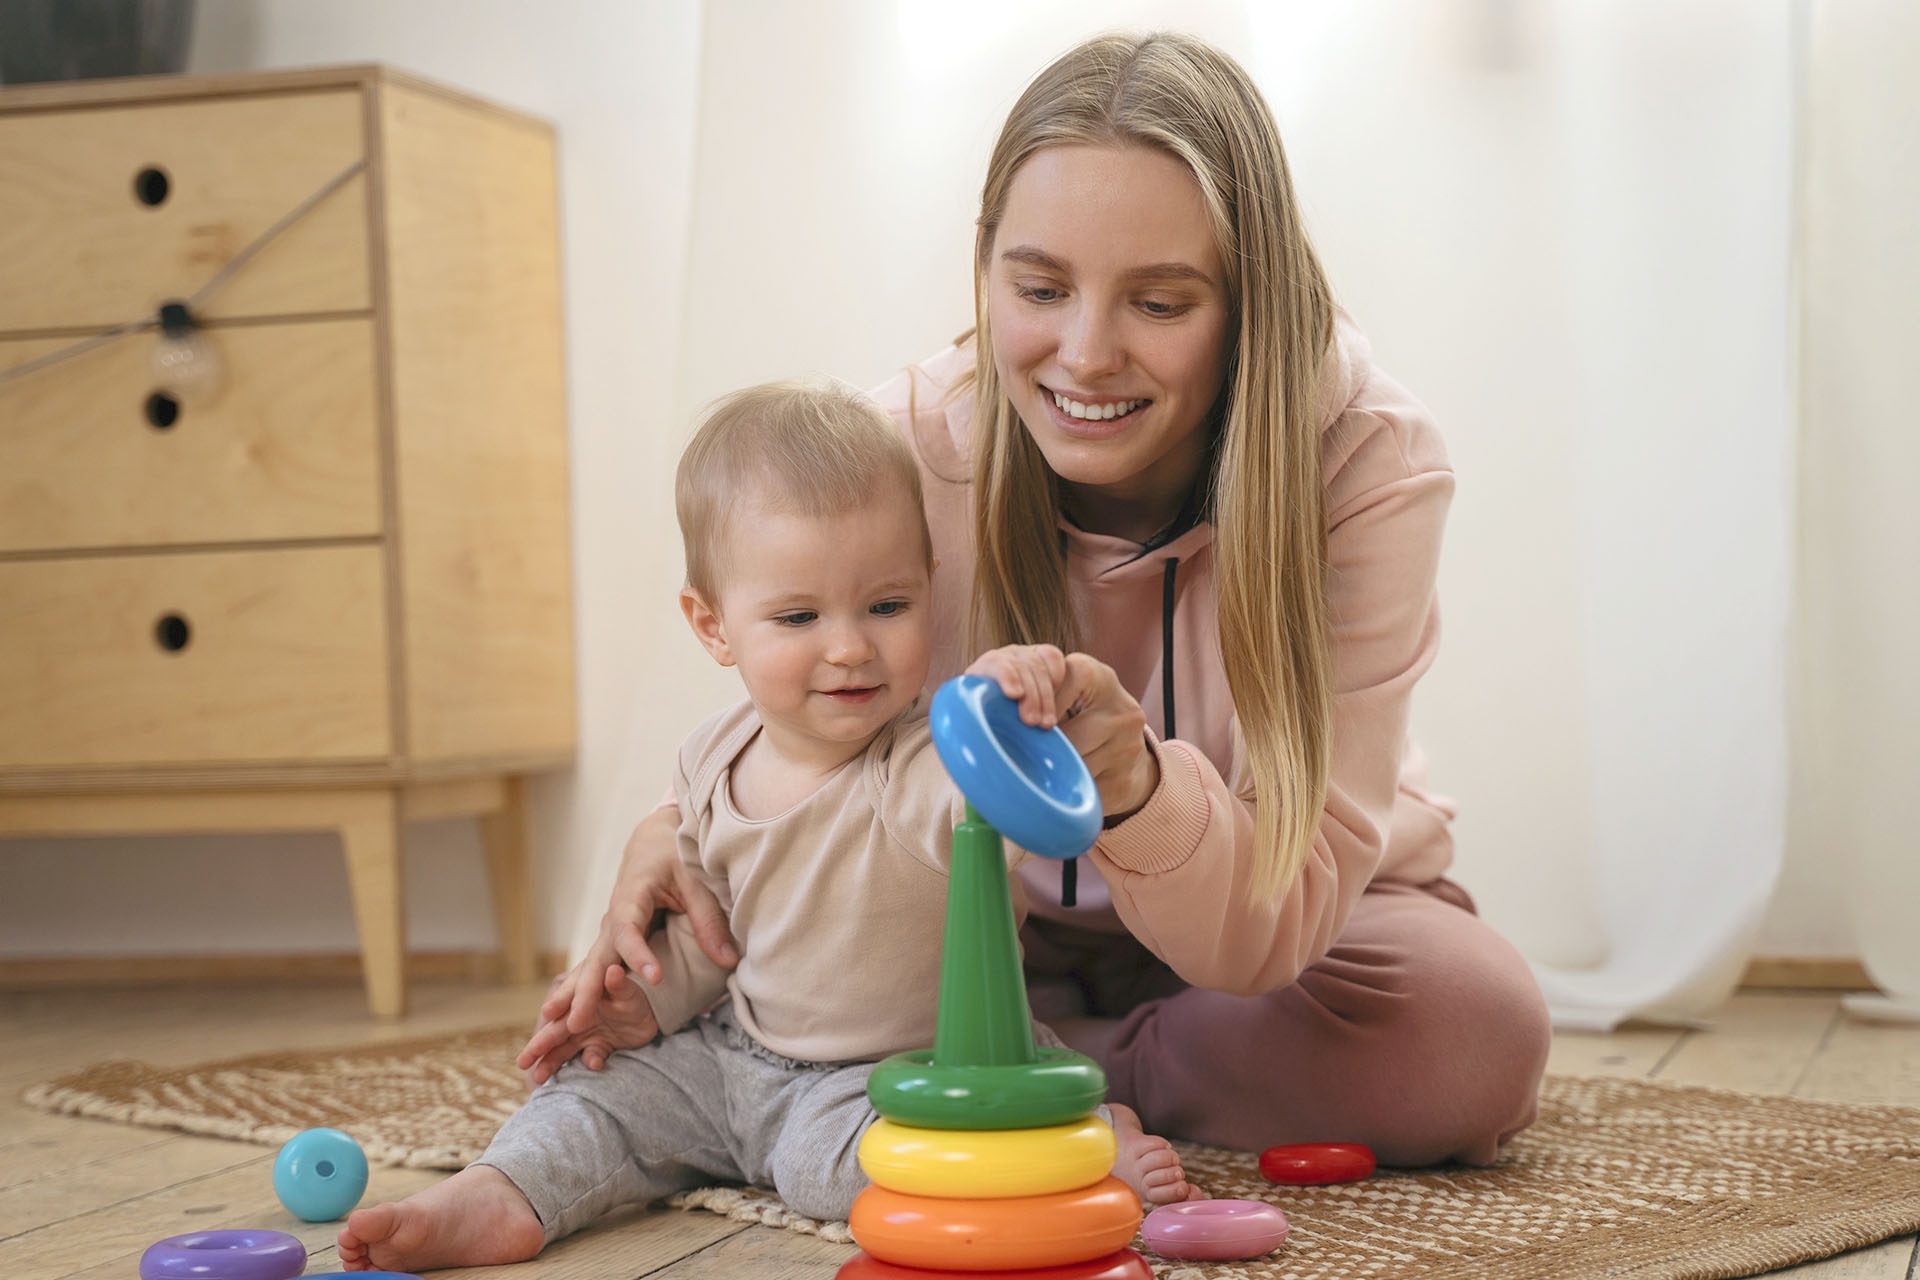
[[220, 277]]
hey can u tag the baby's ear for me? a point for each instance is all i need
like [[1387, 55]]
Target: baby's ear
[[707, 626]]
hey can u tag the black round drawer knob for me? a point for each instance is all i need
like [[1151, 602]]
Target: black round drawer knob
[[151, 185], [172, 632], [162, 411]]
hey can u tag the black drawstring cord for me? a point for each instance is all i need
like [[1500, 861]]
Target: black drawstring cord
[[1166, 649]]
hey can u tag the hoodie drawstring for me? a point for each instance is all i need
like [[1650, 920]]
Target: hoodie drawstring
[[1070, 869]]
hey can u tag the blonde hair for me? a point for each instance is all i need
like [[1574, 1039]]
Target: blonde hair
[[812, 448], [1181, 96]]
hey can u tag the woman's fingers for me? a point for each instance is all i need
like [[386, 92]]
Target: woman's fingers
[[630, 949], [542, 1042], [708, 920], [1029, 675]]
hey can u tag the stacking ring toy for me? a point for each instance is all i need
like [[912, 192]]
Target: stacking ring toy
[[224, 1255], [1124, 1265], [1028, 783], [988, 1164], [995, 1235], [319, 1174], [910, 1088], [1216, 1230], [1306, 1164]]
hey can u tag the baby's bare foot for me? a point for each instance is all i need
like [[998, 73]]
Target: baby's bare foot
[[476, 1218], [1148, 1164]]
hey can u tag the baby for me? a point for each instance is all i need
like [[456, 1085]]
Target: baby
[[821, 816]]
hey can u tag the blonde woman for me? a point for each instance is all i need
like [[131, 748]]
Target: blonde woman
[[1166, 453]]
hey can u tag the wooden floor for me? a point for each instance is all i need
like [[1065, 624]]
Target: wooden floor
[[82, 1198]]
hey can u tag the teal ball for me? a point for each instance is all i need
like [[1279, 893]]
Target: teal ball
[[320, 1174]]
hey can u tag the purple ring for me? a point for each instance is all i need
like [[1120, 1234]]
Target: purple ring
[[225, 1255], [1215, 1230]]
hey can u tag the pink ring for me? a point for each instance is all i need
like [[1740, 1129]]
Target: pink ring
[[1215, 1230]]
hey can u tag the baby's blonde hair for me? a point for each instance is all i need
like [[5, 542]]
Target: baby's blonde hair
[[811, 448]]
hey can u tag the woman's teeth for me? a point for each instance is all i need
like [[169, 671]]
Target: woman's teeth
[[1075, 409]]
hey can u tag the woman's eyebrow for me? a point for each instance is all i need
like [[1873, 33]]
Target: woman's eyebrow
[[1033, 257], [1169, 271], [1040, 258]]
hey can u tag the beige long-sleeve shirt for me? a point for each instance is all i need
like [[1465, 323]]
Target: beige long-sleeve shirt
[[838, 904]]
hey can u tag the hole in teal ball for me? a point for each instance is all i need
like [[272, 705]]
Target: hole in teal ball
[[320, 1174]]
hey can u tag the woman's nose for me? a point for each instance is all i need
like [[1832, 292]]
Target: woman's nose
[[1091, 345]]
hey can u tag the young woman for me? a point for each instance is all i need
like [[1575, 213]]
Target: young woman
[[1165, 451]]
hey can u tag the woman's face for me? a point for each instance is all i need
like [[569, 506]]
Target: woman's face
[[1111, 325]]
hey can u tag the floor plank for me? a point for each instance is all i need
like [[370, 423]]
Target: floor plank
[[1760, 1043]]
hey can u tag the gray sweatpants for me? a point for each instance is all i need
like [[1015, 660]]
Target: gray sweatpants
[[706, 1104]]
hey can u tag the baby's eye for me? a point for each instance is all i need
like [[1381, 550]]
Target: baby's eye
[[889, 608], [798, 618]]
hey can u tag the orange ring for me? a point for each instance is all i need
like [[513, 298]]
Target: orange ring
[[1124, 1265], [995, 1235]]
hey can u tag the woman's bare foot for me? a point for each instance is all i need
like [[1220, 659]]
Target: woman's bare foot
[[1148, 1164], [476, 1218]]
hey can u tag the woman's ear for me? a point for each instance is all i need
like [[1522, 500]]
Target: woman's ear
[[707, 626]]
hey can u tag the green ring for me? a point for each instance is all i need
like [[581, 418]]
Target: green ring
[[910, 1088]]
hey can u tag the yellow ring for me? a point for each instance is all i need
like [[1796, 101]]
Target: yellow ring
[[984, 1164]]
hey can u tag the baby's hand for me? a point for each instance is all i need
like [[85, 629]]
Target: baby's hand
[[623, 1019], [1034, 675]]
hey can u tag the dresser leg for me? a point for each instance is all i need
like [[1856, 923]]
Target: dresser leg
[[510, 868], [371, 837]]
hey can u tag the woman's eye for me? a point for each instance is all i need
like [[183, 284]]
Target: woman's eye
[[1037, 293], [890, 608], [798, 618], [1161, 310]]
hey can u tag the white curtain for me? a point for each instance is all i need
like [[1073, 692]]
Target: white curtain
[[1858, 681], [1566, 226]]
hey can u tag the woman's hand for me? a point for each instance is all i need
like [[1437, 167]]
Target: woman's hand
[[652, 879], [1082, 696], [623, 1019]]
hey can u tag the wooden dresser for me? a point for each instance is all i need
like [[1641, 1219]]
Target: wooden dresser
[[333, 591]]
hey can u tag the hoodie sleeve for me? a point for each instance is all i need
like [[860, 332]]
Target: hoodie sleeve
[[1180, 869]]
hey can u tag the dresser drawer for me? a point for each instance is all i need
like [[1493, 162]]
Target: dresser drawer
[[277, 656], [82, 248], [92, 457]]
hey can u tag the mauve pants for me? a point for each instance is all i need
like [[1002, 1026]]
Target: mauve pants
[[1421, 1034]]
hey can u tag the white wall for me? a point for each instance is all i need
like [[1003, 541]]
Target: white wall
[[1564, 225]]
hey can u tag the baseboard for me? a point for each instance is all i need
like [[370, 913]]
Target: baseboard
[[39, 973], [1807, 973]]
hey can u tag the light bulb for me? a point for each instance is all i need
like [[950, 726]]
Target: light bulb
[[185, 365]]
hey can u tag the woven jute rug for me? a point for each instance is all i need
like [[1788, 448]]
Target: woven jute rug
[[1619, 1178]]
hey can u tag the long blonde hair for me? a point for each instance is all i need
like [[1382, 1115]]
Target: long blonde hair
[[1181, 96]]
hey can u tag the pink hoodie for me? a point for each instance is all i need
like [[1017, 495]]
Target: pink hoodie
[[1176, 873]]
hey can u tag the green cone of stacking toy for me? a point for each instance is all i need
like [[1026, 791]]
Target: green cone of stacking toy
[[984, 1071]]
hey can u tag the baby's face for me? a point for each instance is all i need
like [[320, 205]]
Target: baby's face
[[828, 617]]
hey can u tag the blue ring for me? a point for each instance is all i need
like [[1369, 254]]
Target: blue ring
[[1028, 783]]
